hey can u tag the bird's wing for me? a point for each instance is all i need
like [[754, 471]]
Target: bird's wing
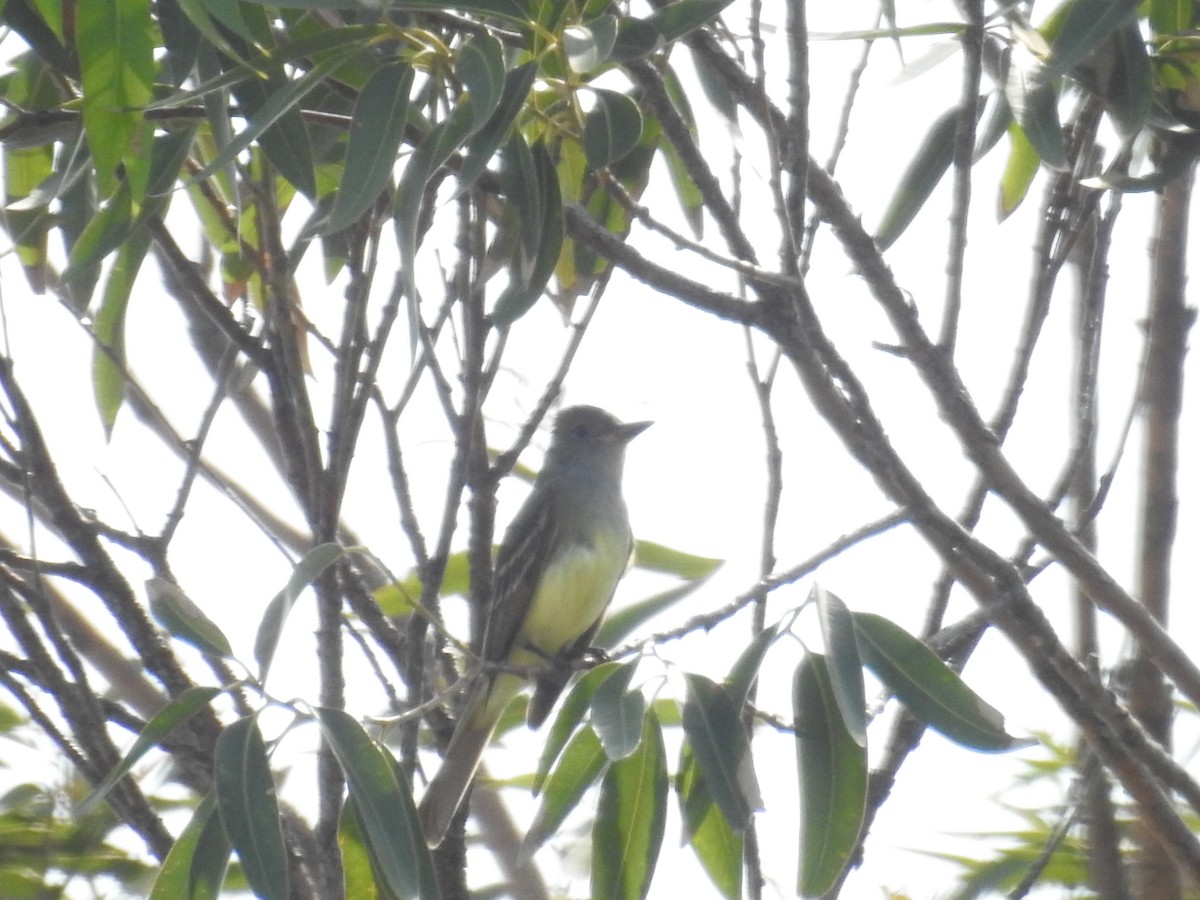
[[527, 548]]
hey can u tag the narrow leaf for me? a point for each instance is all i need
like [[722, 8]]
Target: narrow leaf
[[479, 65], [930, 689], [718, 847], [833, 780], [659, 558], [570, 714], [718, 740], [531, 271], [108, 356], [611, 129], [630, 819], [314, 562], [578, 768], [116, 60], [1087, 24], [388, 814], [677, 19], [183, 619], [744, 672], [166, 720], [617, 713], [843, 663], [376, 132], [249, 809], [196, 863], [920, 178]]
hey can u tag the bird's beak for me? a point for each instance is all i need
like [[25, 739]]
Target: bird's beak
[[629, 430]]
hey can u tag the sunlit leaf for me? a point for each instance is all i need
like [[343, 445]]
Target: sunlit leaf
[[659, 558], [930, 689], [1032, 94], [577, 769], [630, 819], [115, 40], [833, 779], [108, 357], [718, 847], [570, 715], [1022, 166], [385, 806], [196, 863], [249, 809]]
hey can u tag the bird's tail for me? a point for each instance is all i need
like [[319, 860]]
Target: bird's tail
[[449, 786]]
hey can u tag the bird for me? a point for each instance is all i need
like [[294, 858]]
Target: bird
[[556, 571]]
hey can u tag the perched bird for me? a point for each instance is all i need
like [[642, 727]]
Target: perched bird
[[556, 572]]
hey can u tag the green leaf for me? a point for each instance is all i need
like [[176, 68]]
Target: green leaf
[[1088, 24], [611, 129], [107, 230], [659, 558], [578, 768], [166, 720], [617, 713], [484, 143], [249, 809], [930, 689], [539, 248], [314, 562], [479, 65], [275, 122], [920, 178], [196, 863], [630, 819], [376, 132], [1130, 87], [183, 619], [429, 156], [1033, 95], [115, 40], [512, 10], [1019, 172], [833, 780], [718, 739], [744, 672], [718, 847], [618, 625], [588, 45], [388, 814], [1171, 16], [843, 662], [570, 714], [108, 356], [677, 19]]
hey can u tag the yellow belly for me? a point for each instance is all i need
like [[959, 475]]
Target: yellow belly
[[572, 596]]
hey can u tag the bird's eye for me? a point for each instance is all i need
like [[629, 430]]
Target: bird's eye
[[579, 432]]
